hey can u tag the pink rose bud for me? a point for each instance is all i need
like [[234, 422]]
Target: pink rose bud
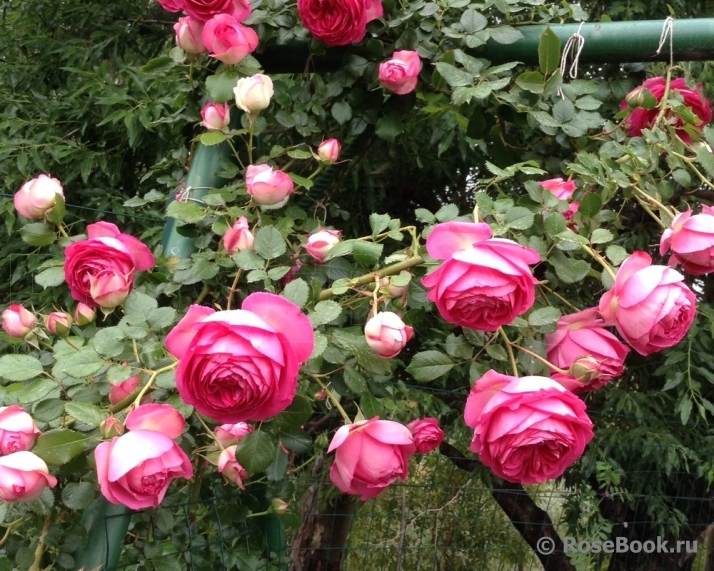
[[691, 240], [17, 430], [279, 507], [585, 369], [329, 151], [253, 93], [227, 40], [386, 334], [111, 427], [266, 186], [400, 74], [23, 477], [393, 290], [37, 196], [216, 116], [109, 289], [229, 434], [562, 189], [188, 35], [83, 314], [119, 391], [230, 468], [320, 395], [239, 237], [427, 434], [58, 323], [17, 321], [321, 242]]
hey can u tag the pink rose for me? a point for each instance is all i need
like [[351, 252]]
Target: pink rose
[[484, 282], [427, 434], [216, 116], [37, 196], [171, 5], [400, 74], [641, 118], [136, 469], [329, 151], [17, 321], [338, 22], [650, 305], [229, 434], [188, 35], [58, 323], [530, 430], [321, 242], [83, 314], [17, 430], [563, 190], [239, 237], [228, 41], [23, 477], [691, 239], [230, 468], [241, 364], [104, 265], [582, 344], [119, 391], [204, 10], [266, 186], [370, 455], [386, 334]]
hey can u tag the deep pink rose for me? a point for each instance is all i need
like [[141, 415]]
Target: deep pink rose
[[401, 73], [241, 364], [321, 242], [188, 35], [37, 196], [58, 323], [483, 390], [338, 22], [562, 189], [427, 434], [216, 116], [484, 282], [266, 186], [229, 434], [230, 468], [582, 344], [650, 305], [17, 430], [386, 334], [227, 40], [529, 431], [171, 5], [23, 477], [641, 118], [691, 239], [204, 10], [370, 455], [238, 237], [105, 264], [18, 321]]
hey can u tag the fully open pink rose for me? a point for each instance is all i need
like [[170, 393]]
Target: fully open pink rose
[[229, 434], [338, 22], [641, 118], [204, 10], [401, 73], [230, 468], [189, 35], [483, 390], [37, 196], [17, 430], [582, 344], [241, 364], [321, 242], [227, 40], [529, 431], [18, 321], [238, 237], [387, 334], [266, 186], [23, 477], [105, 264], [562, 189], [484, 282], [691, 239], [157, 417], [370, 455], [427, 434], [650, 305]]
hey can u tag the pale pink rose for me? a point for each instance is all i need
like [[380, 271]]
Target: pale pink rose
[[582, 343], [691, 239], [329, 151], [484, 282], [119, 391], [171, 5], [230, 468], [37, 196], [241, 364], [562, 189], [650, 305], [83, 314], [239, 237], [23, 477], [338, 22], [229, 434], [106, 262], [228, 41], [400, 74], [427, 434], [253, 93], [266, 186], [157, 417], [369, 456], [216, 116], [321, 242], [189, 35], [387, 334], [17, 430], [17, 321], [206, 9], [58, 323], [531, 430]]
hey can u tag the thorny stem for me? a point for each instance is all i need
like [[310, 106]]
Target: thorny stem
[[375, 295], [560, 297], [62, 231], [648, 210], [136, 351], [665, 95], [539, 358], [234, 288], [690, 163], [210, 432], [152, 378], [511, 356], [202, 294], [40, 549], [334, 399], [600, 260], [654, 201], [10, 527]]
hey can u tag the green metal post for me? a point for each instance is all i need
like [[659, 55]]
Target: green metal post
[[106, 526]]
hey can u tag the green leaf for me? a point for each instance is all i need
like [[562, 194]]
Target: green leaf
[[342, 112], [78, 495], [568, 269], [84, 363], [590, 205], [601, 236], [370, 406], [367, 253], [389, 128], [36, 391], [325, 311], [56, 215], [86, 413], [423, 215], [458, 347], [454, 76], [379, 223], [505, 34], [186, 212], [616, 254], [357, 345], [269, 243], [37, 234], [297, 291], [220, 86], [340, 249], [447, 212], [256, 451], [51, 277], [19, 367], [544, 316], [295, 415], [158, 64], [563, 111], [706, 159], [685, 407], [548, 51], [248, 260], [429, 365], [519, 218], [139, 306], [555, 223], [109, 341], [59, 446], [497, 352], [211, 138], [279, 466], [532, 81], [473, 21], [162, 317], [48, 410], [355, 382], [296, 440]]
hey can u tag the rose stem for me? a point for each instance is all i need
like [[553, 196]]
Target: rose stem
[[510, 351], [151, 380], [541, 359], [600, 260], [334, 400]]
